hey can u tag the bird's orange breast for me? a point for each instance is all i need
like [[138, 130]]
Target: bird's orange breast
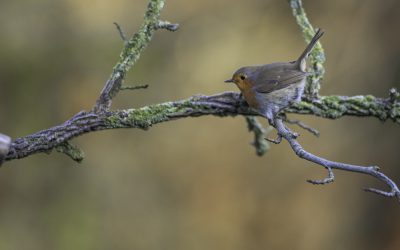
[[248, 94]]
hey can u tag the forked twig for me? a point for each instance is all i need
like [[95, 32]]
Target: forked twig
[[302, 125], [287, 134]]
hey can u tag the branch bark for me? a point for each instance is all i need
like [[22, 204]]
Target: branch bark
[[221, 105]]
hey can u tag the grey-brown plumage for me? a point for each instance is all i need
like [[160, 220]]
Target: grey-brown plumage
[[272, 87]]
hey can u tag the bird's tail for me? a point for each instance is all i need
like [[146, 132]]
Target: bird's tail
[[310, 46]]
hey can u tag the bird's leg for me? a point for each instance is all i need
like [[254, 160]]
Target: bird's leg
[[271, 121], [283, 117]]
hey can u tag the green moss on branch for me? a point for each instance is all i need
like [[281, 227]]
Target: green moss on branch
[[221, 105], [317, 56], [334, 107]]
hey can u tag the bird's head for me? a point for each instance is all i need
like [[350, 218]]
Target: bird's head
[[242, 77]]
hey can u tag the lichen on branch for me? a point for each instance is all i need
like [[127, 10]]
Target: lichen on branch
[[130, 54], [317, 56], [221, 105], [334, 107]]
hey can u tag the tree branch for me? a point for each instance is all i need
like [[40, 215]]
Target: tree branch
[[302, 125], [334, 107], [121, 32], [259, 143], [130, 54], [317, 56], [224, 104], [286, 133]]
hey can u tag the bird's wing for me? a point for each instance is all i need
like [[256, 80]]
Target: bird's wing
[[273, 80]]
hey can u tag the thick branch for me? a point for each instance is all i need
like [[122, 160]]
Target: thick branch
[[334, 107], [225, 104]]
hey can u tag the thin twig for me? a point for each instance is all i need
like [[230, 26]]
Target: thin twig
[[127, 87], [121, 32], [277, 140], [302, 125]]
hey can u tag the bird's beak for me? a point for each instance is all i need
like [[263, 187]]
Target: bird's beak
[[229, 80]]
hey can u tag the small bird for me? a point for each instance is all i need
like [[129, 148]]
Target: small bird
[[272, 87]]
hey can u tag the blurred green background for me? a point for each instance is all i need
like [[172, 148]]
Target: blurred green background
[[193, 183]]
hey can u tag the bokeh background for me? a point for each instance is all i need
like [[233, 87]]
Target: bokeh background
[[193, 183]]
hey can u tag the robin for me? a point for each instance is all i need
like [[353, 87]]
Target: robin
[[272, 87]]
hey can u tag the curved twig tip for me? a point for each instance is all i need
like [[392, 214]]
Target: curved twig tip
[[393, 193], [121, 32], [329, 179]]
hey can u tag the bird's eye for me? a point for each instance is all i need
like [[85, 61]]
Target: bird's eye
[[242, 77]]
